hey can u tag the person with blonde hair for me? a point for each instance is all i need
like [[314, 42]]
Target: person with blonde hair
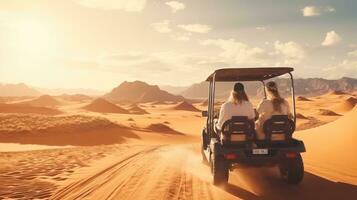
[[273, 105], [237, 105]]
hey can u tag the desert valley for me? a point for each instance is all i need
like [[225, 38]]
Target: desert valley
[[112, 99], [141, 142]]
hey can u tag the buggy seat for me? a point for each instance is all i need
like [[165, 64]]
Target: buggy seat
[[237, 130], [279, 129]]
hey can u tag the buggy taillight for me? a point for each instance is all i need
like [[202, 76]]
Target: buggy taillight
[[231, 156], [290, 154]]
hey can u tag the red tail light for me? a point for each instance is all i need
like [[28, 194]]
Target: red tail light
[[231, 156], [291, 154]]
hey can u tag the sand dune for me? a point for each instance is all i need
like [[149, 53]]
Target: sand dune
[[185, 106], [24, 108], [160, 103], [300, 116], [204, 103], [162, 128], [217, 103], [337, 92], [63, 130], [332, 147], [135, 109], [103, 106], [43, 101], [76, 97], [14, 99], [346, 105], [301, 98], [327, 112], [311, 123]]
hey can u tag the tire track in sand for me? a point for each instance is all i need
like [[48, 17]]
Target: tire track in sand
[[157, 172]]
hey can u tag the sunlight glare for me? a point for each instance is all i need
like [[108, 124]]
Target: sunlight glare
[[34, 38]]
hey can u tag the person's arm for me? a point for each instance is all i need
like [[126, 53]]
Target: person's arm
[[252, 112], [222, 117], [260, 107]]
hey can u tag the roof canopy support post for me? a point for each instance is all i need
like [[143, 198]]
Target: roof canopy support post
[[209, 108], [293, 95], [265, 92]]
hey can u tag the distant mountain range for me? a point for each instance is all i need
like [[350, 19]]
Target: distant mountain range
[[60, 91], [21, 89], [173, 89], [304, 87], [138, 91]]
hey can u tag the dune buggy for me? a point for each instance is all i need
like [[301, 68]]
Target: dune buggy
[[236, 144]]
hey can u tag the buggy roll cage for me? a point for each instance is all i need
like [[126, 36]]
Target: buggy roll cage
[[244, 74]]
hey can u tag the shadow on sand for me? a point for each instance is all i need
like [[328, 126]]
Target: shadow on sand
[[270, 187]]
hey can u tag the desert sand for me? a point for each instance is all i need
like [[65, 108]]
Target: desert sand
[[43, 101], [103, 106], [301, 98], [24, 108], [136, 109], [185, 106], [103, 150]]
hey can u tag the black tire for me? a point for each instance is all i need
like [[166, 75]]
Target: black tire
[[203, 147], [204, 159], [292, 170], [219, 169]]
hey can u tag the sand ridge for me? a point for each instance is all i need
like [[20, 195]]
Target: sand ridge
[[162, 128], [136, 109], [76, 97], [333, 146], [103, 106], [43, 101], [302, 98], [327, 112], [337, 92], [25, 108], [77, 130], [345, 105], [184, 105]]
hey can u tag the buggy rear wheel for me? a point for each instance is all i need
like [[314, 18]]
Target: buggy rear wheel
[[219, 169], [203, 147], [204, 159], [292, 170]]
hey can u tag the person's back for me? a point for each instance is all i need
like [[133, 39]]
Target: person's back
[[266, 108], [237, 105], [274, 105], [230, 109]]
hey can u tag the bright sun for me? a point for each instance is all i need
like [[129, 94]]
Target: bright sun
[[33, 38]]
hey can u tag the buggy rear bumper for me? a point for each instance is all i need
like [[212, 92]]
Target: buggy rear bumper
[[273, 154]]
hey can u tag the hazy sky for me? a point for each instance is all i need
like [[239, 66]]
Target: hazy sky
[[100, 43]]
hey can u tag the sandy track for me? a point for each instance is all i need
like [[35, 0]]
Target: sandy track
[[148, 173], [176, 172]]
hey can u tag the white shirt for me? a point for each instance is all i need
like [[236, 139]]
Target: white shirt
[[230, 109], [266, 111]]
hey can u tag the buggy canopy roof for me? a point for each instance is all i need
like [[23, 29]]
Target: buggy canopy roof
[[248, 74]]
